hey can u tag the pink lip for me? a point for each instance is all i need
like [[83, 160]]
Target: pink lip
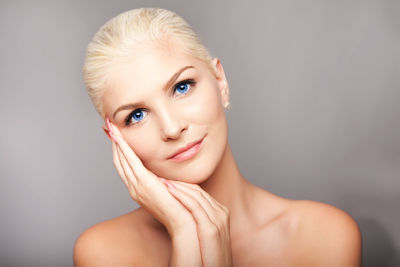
[[187, 152]]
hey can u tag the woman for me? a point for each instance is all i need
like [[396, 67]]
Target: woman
[[163, 97]]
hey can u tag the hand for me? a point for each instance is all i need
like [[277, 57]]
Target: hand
[[212, 221], [144, 186], [148, 191], [190, 210]]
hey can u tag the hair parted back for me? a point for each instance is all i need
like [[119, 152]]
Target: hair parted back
[[116, 39]]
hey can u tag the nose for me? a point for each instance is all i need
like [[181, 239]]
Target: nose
[[172, 124]]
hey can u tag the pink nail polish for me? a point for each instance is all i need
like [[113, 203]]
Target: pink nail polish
[[170, 185], [107, 132], [110, 131], [167, 183], [108, 124]]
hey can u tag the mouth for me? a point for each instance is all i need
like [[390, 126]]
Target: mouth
[[187, 152]]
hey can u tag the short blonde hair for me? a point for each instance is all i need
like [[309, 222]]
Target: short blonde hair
[[116, 39]]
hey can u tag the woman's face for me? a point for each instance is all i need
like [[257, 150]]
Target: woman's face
[[169, 99]]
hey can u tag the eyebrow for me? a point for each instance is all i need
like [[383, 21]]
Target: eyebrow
[[167, 85]]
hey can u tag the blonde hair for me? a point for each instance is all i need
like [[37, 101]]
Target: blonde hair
[[116, 39]]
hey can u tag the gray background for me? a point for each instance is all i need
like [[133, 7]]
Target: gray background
[[315, 115]]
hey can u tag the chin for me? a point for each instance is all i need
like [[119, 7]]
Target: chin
[[194, 172], [197, 175]]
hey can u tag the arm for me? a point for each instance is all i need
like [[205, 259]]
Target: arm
[[184, 245]]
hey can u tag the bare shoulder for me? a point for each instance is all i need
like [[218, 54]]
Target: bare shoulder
[[114, 242], [326, 234]]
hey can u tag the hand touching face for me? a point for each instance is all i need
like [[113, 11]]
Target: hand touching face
[[165, 101], [195, 221]]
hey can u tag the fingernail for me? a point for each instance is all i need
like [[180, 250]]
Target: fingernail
[[108, 124], [110, 130], [107, 132], [168, 183], [110, 135]]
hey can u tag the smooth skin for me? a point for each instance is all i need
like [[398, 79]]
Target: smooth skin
[[202, 211], [198, 222]]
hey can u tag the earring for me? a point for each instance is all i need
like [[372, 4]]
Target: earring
[[227, 105]]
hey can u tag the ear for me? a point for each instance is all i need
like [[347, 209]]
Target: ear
[[221, 80]]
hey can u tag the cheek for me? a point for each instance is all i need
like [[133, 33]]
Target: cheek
[[205, 107], [142, 143]]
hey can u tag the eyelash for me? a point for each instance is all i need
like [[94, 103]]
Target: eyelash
[[191, 82]]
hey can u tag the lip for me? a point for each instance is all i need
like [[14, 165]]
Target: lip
[[187, 152]]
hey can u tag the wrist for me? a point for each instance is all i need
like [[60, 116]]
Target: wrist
[[179, 232], [185, 249], [181, 227]]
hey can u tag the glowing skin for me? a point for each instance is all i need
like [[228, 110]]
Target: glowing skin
[[265, 229], [171, 119], [222, 221]]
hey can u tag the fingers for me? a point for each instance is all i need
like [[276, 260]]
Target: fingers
[[193, 205], [132, 168], [146, 189], [130, 177], [212, 223], [196, 188], [209, 207], [132, 159], [123, 168], [117, 164], [205, 209]]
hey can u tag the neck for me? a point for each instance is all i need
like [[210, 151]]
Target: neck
[[231, 189]]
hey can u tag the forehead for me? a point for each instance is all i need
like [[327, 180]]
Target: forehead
[[149, 64]]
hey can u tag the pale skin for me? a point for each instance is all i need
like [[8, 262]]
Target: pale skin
[[200, 211]]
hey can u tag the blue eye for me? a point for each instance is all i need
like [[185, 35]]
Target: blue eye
[[184, 86], [136, 116]]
